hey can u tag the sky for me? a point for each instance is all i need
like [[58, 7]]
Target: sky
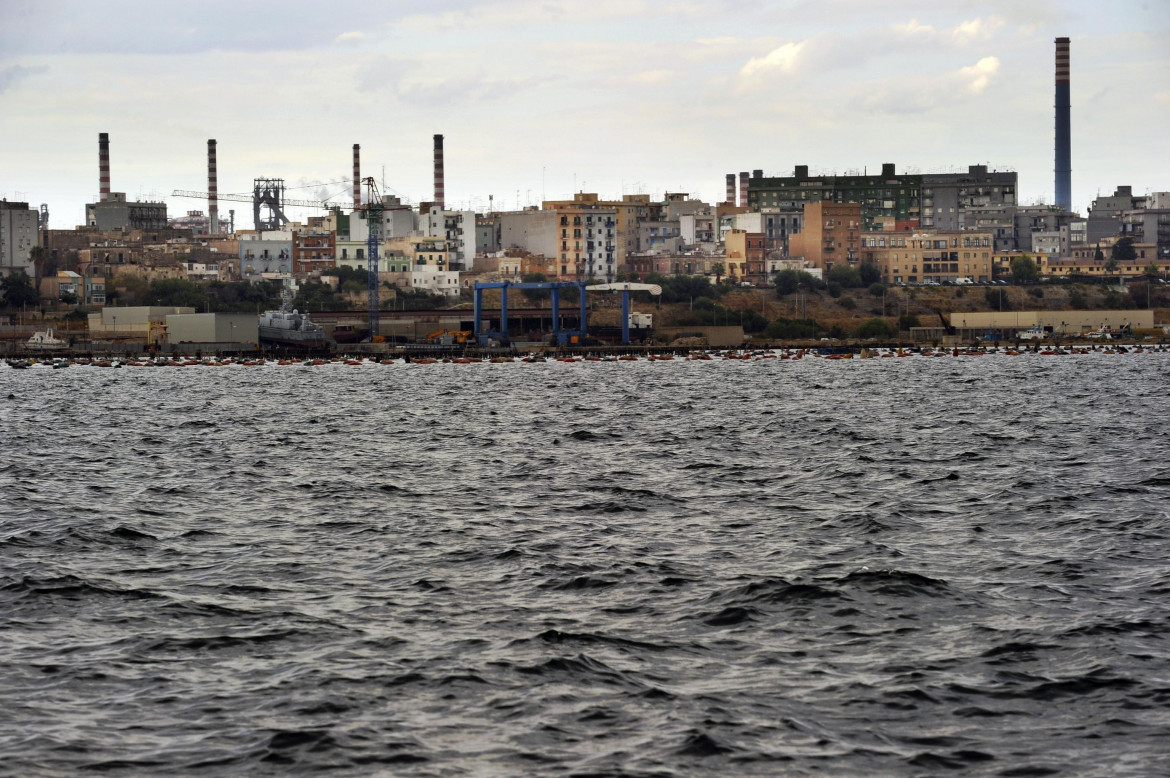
[[541, 98]]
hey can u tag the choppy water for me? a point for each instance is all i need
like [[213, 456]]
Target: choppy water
[[887, 567]]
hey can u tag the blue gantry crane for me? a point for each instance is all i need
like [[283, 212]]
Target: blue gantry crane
[[560, 336]]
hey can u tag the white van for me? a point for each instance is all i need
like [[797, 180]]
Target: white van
[[964, 281]]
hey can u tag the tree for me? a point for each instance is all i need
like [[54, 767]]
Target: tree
[[847, 277], [906, 321], [877, 289], [1151, 271], [1024, 270], [42, 265], [718, 269], [870, 273], [875, 328], [18, 290], [1123, 251], [788, 281], [1098, 255], [996, 298], [176, 292]]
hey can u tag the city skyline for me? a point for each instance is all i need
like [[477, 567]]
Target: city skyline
[[538, 100]]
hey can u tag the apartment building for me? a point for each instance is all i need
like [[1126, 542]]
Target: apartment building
[[831, 234]]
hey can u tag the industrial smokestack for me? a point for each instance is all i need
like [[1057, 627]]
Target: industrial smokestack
[[743, 187], [1063, 139], [103, 166], [440, 199], [730, 198], [357, 176], [212, 189]]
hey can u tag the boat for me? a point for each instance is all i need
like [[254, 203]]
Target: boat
[[288, 327], [46, 341]]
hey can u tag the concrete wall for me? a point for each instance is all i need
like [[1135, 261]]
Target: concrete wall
[[213, 328], [533, 231]]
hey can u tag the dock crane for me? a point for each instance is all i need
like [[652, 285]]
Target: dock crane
[[373, 209]]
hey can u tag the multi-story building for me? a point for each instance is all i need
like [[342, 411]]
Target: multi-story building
[[831, 234], [675, 265], [947, 196], [312, 251], [658, 236], [1105, 213], [779, 223], [18, 235], [629, 211], [1150, 225], [398, 221], [587, 245], [936, 200], [458, 228], [265, 257], [1082, 263], [745, 257], [698, 228], [888, 194], [936, 256]]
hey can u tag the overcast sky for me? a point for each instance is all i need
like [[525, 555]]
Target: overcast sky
[[542, 97]]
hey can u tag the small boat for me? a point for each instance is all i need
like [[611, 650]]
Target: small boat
[[46, 341]]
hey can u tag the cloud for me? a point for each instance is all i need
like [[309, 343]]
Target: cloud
[[854, 50], [979, 75], [541, 13], [350, 37], [12, 75], [782, 59]]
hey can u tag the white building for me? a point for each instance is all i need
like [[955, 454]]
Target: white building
[[458, 229], [258, 257], [18, 235], [425, 278], [398, 221]]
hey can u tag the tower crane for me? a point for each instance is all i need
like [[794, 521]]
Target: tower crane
[[373, 209]]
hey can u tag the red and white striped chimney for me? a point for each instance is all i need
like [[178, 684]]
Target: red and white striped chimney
[[743, 187], [103, 166], [212, 189], [357, 176], [730, 198], [440, 197]]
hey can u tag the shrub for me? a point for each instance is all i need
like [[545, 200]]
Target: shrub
[[1036, 292], [877, 289], [875, 328], [792, 329], [847, 303], [906, 321]]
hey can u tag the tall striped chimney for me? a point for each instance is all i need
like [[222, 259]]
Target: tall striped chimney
[[1063, 139], [212, 189], [440, 198], [730, 198], [357, 176], [743, 187], [103, 166]]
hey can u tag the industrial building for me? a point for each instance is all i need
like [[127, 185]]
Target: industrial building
[[213, 328]]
